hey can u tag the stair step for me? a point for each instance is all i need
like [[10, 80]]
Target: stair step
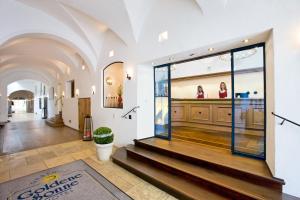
[[176, 185], [228, 186], [254, 171]]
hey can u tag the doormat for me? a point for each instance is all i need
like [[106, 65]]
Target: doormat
[[75, 180]]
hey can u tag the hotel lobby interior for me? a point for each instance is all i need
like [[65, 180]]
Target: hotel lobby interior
[[149, 99]]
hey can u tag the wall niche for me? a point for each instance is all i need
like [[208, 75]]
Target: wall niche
[[113, 76]]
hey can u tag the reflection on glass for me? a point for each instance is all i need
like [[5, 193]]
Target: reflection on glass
[[161, 102], [161, 116], [249, 102]]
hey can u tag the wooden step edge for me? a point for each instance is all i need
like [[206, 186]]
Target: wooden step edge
[[132, 165], [221, 188], [257, 179], [196, 140]]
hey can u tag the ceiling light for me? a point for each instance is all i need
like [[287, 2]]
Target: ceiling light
[[245, 40], [210, 49], [111, 53]]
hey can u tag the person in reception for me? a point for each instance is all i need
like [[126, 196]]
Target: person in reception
[[200, 92], [223, 90]]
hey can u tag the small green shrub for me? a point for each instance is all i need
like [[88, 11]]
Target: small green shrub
[[100, 138]]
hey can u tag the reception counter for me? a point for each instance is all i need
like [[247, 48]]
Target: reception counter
[[216, 114]]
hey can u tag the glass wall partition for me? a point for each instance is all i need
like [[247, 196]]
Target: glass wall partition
[[162, 101], [217, 100], [248, 84]]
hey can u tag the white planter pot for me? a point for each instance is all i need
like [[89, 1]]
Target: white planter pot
[[104, 151]]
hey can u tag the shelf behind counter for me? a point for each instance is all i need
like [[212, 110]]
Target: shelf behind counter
[[216, 114]]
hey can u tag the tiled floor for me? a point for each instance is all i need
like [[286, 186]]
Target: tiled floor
[[23, 163]]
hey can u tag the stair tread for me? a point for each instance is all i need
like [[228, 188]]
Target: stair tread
[[209, 175], [175, 182], [209, 154]]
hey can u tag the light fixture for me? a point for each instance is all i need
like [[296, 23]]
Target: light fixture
[[55, 95], [192, 54], [111, 53], [210, 49], [63, 94], [245, 40], [109, 81], [128, 77], [163, 36], [77, 92], [83, 67], [93, 90], [153, 63]]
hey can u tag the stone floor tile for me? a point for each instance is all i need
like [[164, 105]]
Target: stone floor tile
[[60, 160]]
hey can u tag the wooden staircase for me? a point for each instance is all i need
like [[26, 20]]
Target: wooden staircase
[[56, 121], [195, 171]]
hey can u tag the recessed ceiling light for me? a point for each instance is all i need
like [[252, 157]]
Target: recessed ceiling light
[[163, 36], [245, 40], [210, 49]]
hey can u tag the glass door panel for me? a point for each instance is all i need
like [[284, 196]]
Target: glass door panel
[[162, 101], [248, 84]]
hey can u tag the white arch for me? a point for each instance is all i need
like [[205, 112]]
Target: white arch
[[84, 52]]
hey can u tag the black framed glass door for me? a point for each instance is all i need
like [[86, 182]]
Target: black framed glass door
[[162, 107], [248, 101]]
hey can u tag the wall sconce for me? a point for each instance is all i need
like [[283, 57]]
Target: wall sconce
[[63, 94], [93, 90], [129, 73], [55, 95], [83, 67], [109, 81], [77, 92], [128, 77]]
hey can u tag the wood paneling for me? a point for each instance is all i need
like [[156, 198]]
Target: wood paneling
[[217, 115], [84, 109], [200, 113], [179, 112]]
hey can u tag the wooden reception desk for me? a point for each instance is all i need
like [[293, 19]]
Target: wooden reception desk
[[216, 114]]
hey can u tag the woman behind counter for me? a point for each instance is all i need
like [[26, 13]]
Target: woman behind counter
[[200, 92], [223, 90]]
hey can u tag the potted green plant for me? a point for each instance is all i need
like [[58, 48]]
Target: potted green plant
[[103, 138]]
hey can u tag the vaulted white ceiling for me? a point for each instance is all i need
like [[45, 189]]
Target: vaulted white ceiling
[[67, 33]]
